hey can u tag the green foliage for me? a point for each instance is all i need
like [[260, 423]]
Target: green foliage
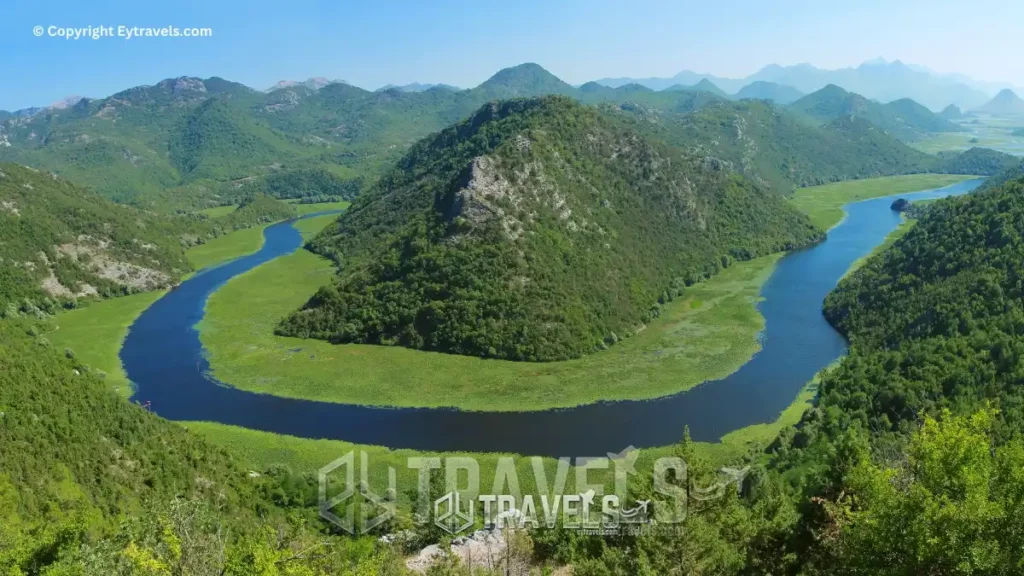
[[952, 506], [60, 243], [217, 141], [50, 228], [535, 230], [309, 184]]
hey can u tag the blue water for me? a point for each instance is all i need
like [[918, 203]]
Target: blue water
[[163, 356]]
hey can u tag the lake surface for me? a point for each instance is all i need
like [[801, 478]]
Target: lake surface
[[163, 356]]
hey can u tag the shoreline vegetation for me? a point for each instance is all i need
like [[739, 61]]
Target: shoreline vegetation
[[824, 204], [731, 294]]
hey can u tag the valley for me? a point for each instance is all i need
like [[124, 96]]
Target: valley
[[322, 329]]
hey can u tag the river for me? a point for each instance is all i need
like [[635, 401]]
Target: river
[[163, 356]]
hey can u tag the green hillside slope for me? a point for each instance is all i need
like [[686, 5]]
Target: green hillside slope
[[59, 242], [536, 229]]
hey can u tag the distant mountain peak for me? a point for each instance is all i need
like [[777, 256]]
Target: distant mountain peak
[[527, 79], [66, 102], [1006, 102], [314, 83]]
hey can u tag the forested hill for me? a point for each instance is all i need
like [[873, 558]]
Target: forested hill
[[903, 118], [59, 242], [536, 229]]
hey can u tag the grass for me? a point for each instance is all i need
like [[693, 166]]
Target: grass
[[226, 247], [985, 131], [824, 204], [705, 335], [95, 333]]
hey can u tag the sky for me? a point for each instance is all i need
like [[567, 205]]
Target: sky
[[370, 44]]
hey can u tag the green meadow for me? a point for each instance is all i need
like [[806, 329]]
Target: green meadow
[[706, 334], [824, 204]]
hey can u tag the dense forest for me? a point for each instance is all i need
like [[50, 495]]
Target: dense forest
[[535, 230]]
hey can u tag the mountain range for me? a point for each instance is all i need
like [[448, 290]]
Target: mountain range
[[187, 143], [876, 79], [904, 118]]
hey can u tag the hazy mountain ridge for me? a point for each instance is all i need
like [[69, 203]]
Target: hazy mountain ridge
[[903, 118], [877, 79]]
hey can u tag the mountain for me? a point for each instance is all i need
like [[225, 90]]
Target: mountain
[[878, 80], [1006, 103], [684, 78], [523, 80], [536, 229], [951, 112], [761, 90], [314, 83], [903, 118], [704, 85], [418, 87]]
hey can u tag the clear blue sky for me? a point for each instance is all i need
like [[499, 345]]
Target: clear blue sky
[[463, 42]]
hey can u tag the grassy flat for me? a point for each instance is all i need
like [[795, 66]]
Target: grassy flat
[[707, 334], [226, 247], [95, 334], [824, 204]]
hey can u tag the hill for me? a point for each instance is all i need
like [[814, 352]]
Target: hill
[[981, 161], [534, 230], [937, 302], [903, 118], [704, 85], [951, 112], [761, 90], [59, 242], [1006, 103], [523, 80]]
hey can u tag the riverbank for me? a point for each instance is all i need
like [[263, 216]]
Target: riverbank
[[824, 204]]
